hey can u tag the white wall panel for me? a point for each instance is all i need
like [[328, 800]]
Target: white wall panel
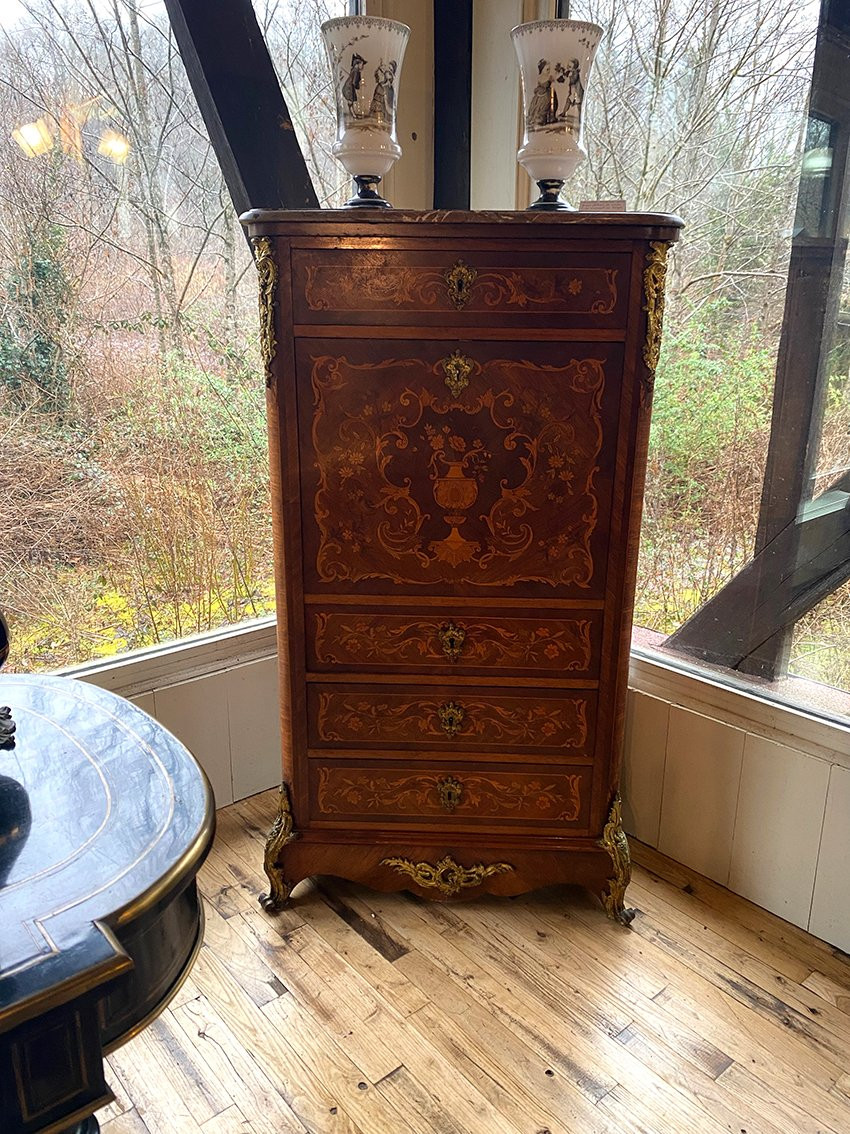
[[777, 829], [252, 694], [642, 780], [701, 778], [197, 712], [831, 906]]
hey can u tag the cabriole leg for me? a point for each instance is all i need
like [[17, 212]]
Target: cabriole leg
[[615, 842], [281, 833]]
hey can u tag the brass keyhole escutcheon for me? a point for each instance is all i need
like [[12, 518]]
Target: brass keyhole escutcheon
[[457, 368], [449, 790], [451, 717], [460, 278], [451, 639]]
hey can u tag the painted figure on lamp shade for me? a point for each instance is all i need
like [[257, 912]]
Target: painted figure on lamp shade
[[543, 107], [383, 100], [575, 96], [352, 84]]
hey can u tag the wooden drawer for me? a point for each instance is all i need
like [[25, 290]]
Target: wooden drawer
[[349, 792], [471, 468], [451, 718], [447, 288], [451, 639]]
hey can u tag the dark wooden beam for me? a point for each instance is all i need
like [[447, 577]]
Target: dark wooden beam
[[805, 562], [452, 102], [241, 102]]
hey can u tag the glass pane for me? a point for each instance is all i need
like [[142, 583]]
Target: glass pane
[[134, 479], [710, 114], [292, 29]]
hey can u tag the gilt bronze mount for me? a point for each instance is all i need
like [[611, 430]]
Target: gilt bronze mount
[[281, 833], [447, 876], [615, 842]]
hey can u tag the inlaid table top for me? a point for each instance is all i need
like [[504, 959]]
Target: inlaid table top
[[121, 818]]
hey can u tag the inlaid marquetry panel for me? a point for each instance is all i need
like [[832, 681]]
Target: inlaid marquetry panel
[[503, 483], [442, 717], [356, 791], [371, 285], [375, 640]]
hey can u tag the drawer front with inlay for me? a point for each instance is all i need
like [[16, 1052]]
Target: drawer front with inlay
[[349, 791], [453, 719], [452, 639], [422, 287], [471, 468]]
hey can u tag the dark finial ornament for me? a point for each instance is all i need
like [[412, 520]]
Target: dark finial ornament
[[550, 199], [7, 725], [367, 195]]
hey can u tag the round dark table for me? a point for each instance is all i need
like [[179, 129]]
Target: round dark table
[[105, 819]]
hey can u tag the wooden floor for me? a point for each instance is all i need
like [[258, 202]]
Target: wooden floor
[[360, 1013]]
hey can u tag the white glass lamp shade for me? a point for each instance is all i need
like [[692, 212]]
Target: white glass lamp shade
[[555, 60], [366, 53]]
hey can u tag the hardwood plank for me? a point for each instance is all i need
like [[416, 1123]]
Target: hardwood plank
[[234, 1067], [224, 890], [761, 1071], [384, 978], [783, 944], [199, 1089], [768, 1009], [521, 1015], [829, 990], [483, 1047], [611, 984], [158, 1102], [301, 1087], [129, 1122], [244, 962], [779, 1071], [817, 1117], [733, 1110], [347, 1082], [339, 1004], [230, 1121], [534, 1002], [416, 1106], [122, 1101], [828, 1026]]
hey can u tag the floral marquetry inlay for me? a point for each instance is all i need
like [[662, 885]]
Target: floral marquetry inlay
[[507, 794], [560, 644], [373, 278], [399, 718], [492, 486]]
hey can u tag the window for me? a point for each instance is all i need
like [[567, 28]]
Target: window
[[133, 483], [736, 116]]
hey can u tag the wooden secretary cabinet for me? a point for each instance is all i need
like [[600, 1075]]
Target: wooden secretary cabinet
[[458, 417]]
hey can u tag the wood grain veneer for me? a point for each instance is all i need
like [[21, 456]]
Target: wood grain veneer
[[458, 417]]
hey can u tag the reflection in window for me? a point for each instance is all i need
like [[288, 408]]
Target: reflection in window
[[134, 473], [737, 117]]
